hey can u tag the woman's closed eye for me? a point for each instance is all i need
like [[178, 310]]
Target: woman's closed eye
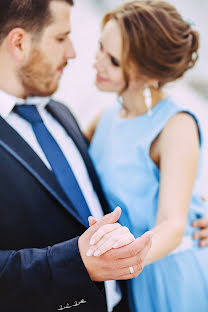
[[114, 61]]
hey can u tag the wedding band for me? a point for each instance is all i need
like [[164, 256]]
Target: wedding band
[[131, 270]]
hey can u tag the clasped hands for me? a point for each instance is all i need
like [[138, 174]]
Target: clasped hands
[[108, 249]]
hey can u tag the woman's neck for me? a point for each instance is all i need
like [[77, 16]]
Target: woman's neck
[[133, 103]]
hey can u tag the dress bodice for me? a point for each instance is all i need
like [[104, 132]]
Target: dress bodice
[[130, 179]]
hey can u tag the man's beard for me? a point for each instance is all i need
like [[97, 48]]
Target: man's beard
[[37, 76]]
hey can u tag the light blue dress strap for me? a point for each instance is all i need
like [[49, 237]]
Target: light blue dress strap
[[162, 113]]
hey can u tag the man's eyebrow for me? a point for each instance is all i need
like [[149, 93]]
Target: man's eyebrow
[[66, 33]]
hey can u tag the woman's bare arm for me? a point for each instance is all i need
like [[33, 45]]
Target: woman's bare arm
[[178, 162], [179, 156]]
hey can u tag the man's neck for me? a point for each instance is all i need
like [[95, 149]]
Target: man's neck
[[9, 82], [12, 92]]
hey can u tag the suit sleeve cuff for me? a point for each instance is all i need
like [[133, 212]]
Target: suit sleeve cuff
[[68, 270]]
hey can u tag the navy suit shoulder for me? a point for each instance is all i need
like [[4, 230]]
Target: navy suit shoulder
[[40, 265]]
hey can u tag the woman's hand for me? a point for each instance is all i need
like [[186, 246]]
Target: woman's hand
[[202, 232], [107, 237]]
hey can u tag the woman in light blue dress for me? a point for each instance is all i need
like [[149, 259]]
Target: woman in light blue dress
[[147, 152]]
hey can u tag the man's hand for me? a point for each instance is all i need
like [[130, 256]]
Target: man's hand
[[115, 263], [202, 233]]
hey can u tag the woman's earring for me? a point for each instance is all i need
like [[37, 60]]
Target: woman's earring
[[148, 99]]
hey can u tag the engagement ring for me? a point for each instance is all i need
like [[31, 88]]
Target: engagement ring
[[131, 270]]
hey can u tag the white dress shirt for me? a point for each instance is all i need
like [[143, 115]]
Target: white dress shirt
[[72, 154]]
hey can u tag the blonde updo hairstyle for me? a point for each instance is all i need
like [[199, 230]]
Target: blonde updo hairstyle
[[156, 40]]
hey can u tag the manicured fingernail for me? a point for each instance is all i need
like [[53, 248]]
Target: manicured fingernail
[[92, 242], [89, 253], [151, 234], [115, 210], [97, 253], [195, 236], [202, 244]]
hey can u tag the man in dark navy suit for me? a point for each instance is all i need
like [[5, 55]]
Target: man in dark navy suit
[[48, 186]]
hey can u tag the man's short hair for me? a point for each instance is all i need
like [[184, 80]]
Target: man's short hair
[[31, 15]]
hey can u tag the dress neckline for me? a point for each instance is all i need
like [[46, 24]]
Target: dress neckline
[[144, 116]]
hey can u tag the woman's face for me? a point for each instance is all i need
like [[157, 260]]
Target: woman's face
[[110, 76]]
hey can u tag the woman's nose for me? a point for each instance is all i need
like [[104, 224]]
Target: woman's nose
[[99, 62]]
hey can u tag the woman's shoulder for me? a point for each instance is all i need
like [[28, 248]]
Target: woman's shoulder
[[182, 119], [183, 123], [172, 118]]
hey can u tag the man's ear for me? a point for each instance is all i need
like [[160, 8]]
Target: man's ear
[[19, 43]]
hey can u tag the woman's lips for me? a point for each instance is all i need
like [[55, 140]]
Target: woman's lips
[[101, 79]]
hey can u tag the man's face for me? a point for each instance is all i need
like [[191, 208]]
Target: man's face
[[49, 55]]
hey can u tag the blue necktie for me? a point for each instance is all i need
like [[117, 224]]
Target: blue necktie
[[56, 159]]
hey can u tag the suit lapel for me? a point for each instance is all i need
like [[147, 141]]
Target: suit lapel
[[66, 119], [16, 146]]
